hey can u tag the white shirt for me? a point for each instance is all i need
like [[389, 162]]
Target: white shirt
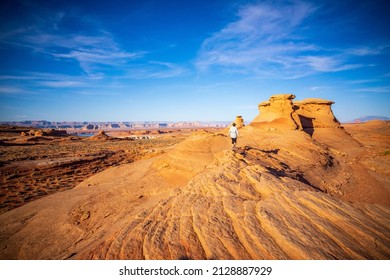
[[233, 132]]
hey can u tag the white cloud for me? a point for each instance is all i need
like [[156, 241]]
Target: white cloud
[[10, 89], [15, 90], [366, 50], [327, 63], [156, 69], [264, 40], [260, 37], [374, 89], [95, 51], [61, 84], [42, 83]]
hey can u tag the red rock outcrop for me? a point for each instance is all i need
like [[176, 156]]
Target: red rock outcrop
[[315, 113], [101, 136], [280, 112], [239, 121], [276, 113]]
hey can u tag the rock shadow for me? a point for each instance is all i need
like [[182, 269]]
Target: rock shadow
[[307, 124], [292, 174], [274, 151]]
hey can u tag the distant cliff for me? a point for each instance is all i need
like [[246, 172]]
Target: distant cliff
[[368, 118]]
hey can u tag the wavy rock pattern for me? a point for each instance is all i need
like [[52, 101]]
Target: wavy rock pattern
[[237, 209]]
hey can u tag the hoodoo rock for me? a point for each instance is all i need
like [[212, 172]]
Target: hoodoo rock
[[315, 113], [280, 112], [276, 113], [239, 121]]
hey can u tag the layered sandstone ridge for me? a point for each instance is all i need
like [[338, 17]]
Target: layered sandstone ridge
[[280, 195]]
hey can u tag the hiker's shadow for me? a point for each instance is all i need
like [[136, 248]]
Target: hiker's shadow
[[274, 151]]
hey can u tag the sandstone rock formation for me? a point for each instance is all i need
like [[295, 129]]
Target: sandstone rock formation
[[239, 121], [281, 112], [101, 136], [315, 113], [38, 133], [277, 112], [280, 195]]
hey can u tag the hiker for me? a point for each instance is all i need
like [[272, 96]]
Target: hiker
[[233, 133]]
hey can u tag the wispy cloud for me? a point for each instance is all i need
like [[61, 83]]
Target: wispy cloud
[[28, 83], [366, 50], [10, 90], [156, 69], [61, 84], [379, 89], [95, 49], [15, 90], [363, 81], [321, 63], [264, 40], [90, 51], [105, 66], [259, 38]]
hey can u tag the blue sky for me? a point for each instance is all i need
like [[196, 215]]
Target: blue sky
[[144, 60]]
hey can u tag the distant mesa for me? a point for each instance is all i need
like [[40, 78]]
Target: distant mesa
[[112, 126], [368, 118], [91, 127]]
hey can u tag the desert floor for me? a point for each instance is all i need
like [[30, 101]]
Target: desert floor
[[188, 195], [34, 166]]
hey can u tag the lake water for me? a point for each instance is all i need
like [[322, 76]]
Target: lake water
[[85, 134]]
